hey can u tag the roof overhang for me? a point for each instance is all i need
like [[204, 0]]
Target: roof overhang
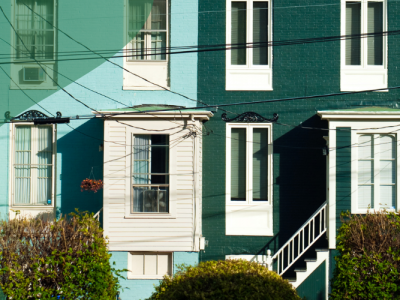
[[182, 114], [373, 113]]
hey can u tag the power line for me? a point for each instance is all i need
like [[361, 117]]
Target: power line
[[216, 47]]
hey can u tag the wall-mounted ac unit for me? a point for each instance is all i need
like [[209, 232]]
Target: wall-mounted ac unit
[[33, 74]]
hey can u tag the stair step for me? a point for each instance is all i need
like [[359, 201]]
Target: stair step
[[321, 250], [300, 270], [290, 279], [310, 260]]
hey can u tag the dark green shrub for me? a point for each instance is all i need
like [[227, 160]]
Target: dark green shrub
[[369, 262], [41, 259], [230, 279]]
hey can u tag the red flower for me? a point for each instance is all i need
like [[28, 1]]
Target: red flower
[[91, 185]]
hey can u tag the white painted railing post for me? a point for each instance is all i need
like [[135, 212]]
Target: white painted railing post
[[269, 260]]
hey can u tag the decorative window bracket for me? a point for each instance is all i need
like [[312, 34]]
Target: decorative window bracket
[[38, 117], [250, 117]]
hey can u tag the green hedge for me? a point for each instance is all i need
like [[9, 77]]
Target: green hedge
[[230, 279], [369, 262]]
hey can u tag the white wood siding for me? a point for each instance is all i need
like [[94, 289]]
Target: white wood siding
[[127, 232]]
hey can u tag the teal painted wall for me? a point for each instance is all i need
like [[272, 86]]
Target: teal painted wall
[[314, 287], [142, 289], [299, 168]]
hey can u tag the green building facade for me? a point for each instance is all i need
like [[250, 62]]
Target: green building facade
[[311, 64]]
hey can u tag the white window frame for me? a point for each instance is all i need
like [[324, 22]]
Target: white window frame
[[364, 76], [47, 64], [355, 134], [33, 160], [248, 77], [131, 275], [156, 71], [238, 211]]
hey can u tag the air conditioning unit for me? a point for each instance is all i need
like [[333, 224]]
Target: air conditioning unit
[[33, 74]]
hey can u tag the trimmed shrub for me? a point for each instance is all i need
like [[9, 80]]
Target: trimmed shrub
[[42, 259], [369, 262], [230, 279]]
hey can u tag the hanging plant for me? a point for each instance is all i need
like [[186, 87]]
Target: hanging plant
[[91, 185]]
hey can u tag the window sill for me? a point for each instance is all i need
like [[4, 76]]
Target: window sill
[[155, 277], [150, 216], [31, 207], [144, 88]]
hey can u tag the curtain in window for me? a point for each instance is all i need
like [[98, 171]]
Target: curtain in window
[[36, 33], [260, 33], [375, 25], [44, 167], [238, 33], [238, 164], [387, 166], [22, 168], [353, 27], [141, 165], [260, 164], [138, 12], [365, 172]]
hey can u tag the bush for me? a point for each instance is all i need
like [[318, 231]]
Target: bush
[[230, 279], [41, 259], [369, 262]]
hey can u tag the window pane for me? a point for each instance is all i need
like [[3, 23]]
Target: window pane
[[387, 197], [22, 165], [159, 15], [158, 46], [260, 164], [150, 199], [353, 27], [365, 149], [141, 156], [44, 160], [150, 264], [35, 31], [238, 33], [365, 196], [260, 33], [365, 172], [238, 164], [375, 24], [387, 172]]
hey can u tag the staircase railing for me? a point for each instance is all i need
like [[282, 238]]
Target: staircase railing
[[300, 242], [97, 215]]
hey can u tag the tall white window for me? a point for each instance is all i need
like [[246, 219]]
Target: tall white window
[[249, 59], [147, 26], [364, 54], [376, 180], [151, 41], [150, 189], [249, 179], [34, 39], [33, 165]]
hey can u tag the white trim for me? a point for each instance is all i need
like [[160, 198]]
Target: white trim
[[363, 77], [248, 217], [31, 209], [248, 77]]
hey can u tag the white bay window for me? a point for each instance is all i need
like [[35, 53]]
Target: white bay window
[[33, 165], [364, 50], [249, 59]]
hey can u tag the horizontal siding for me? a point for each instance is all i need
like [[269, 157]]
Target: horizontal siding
[[146, 234]]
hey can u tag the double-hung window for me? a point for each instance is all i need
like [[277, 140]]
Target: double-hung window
[[34, 39], [248, 33], [33, 165], [376, 172], [150, 174], [249, 179], [364, 50], [147, 43]]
